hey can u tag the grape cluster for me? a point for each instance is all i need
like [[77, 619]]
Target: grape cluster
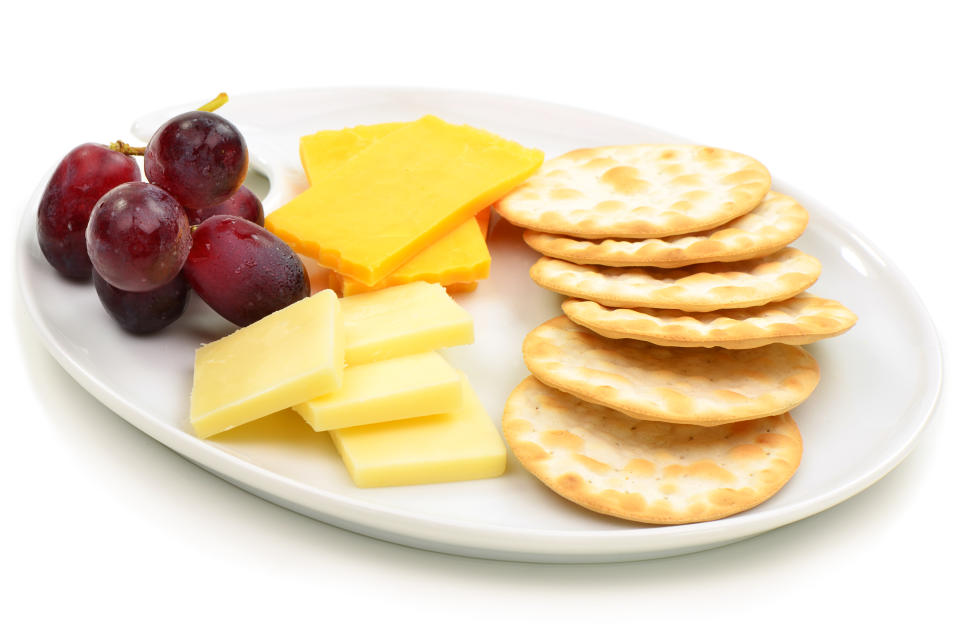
[[192, 224]]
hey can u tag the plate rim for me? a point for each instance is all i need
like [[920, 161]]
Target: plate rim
[[472, 538]]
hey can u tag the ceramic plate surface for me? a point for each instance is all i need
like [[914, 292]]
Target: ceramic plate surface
[[873, 400]]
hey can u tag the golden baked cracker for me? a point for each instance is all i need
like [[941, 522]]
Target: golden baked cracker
[[651, 472], [699, 386], [798, 320], [773, 224], [702, 287], [638, 191]]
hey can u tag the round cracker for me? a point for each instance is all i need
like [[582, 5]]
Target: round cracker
[[637, 191], [799, 320], [651, 472], [706, 387], [702, 287], [775, 223]]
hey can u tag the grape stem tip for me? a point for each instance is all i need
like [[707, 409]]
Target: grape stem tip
[[215, 103], [127, 149]]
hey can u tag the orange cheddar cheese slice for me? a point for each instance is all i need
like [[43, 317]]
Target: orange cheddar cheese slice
[[483, 220], [460, 288], [459, 257], [324, 152], [395, 197]]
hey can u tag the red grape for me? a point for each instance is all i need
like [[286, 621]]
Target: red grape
[[198, 157], [243, 271], [138, 237], [144, 312], [84, 175], [243, 203]]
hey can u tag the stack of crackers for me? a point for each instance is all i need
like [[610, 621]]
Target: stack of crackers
[[663, 393]]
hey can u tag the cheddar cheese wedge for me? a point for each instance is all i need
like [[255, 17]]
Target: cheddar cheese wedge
[[459, 257], [324, 152], [398, 195]]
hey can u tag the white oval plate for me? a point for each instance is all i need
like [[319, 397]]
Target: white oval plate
[[874, 398]]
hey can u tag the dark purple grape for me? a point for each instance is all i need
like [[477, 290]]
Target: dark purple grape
[[138, 237], [198, 157], [243, 203], [144, 312], [243, 271], [84, 175]]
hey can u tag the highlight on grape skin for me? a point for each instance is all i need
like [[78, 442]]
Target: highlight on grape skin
[[198, 157], [84, 175], [243, 271], [138, 237]]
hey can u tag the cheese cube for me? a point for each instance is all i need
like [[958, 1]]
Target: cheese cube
[[411, 386], [400, 194], [456, 446], [286, 358], [403, 320]]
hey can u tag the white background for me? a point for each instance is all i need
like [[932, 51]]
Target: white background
[[106, 531]]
